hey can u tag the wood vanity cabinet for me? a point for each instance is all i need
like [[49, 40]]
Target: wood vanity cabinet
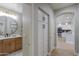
[[6, 46], [10, 45], [1, 47], [18, 43]]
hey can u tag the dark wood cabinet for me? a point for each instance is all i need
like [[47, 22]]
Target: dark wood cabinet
[[10, 45]]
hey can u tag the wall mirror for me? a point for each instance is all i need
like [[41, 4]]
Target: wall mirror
[[8, 25]]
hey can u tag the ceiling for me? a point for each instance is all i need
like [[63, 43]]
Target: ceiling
[[65, 19], [12, 6], [56, 6]]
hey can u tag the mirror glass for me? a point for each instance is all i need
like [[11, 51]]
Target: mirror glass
[[8, 25]]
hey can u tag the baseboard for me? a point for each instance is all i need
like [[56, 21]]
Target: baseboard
[[49, 54], [76, 54]]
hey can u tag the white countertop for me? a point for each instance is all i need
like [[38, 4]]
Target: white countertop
[[2, 37]]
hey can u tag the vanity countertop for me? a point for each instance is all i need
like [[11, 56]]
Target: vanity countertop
[[2, 38]]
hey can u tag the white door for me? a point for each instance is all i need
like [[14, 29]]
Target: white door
[[45, 37], [42, 33], [46, 40], [40, 39]]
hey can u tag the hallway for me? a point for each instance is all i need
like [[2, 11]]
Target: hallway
[[65, 46], [63, 49], [61, 52]]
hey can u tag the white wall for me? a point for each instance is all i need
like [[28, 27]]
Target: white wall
[[27, 29], [65, 27], [77, 30]]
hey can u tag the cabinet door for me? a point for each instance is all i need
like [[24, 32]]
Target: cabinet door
[[18, 43], [6, 46], [12, 45], [1, 47]]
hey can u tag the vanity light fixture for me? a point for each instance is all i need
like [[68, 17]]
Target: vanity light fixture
[[9, 15]]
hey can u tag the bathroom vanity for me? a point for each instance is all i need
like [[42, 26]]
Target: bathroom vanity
[[10, 35], [10, 31], [9, 45]]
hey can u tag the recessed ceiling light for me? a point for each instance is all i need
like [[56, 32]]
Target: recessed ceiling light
[[67, 17], [59, 24], [66, 23]]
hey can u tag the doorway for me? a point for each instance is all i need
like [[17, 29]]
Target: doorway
[[43, 41], [65, 33]]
